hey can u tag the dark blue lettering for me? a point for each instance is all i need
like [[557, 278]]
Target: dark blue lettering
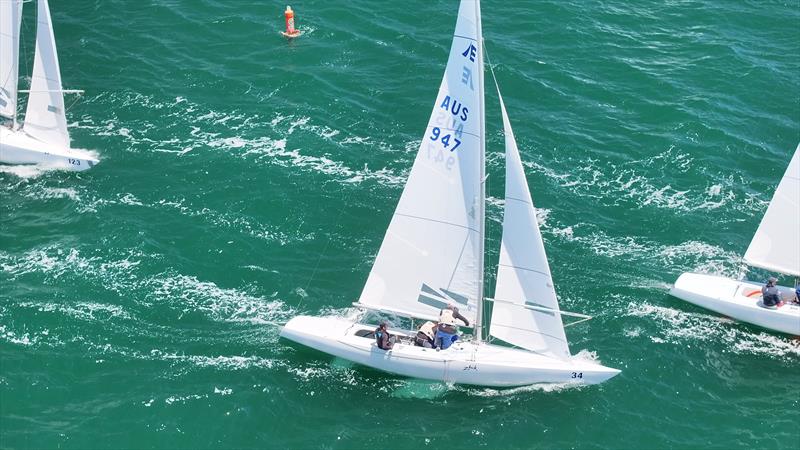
[[455, 108], [470, 52]]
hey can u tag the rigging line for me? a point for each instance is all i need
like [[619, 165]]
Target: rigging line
[[486, 180], [321, 255], [77, 97], [491, 70], [23, 28]]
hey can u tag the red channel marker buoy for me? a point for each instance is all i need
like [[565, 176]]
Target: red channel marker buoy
[[291, 31]]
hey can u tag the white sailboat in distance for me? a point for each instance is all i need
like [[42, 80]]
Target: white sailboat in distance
[[43, 137], [775, 247], [433, 255]]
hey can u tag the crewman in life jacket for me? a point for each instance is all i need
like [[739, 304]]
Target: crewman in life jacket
[[770, 293], [426, 335], [446, 331], [383, 339]]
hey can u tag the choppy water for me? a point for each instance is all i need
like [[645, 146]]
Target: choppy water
[[139, 301]]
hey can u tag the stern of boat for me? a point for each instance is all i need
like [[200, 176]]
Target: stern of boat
[[740, 300], [309, 330], [703, 290]]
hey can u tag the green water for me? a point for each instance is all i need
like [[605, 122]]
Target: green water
[[245, 179]]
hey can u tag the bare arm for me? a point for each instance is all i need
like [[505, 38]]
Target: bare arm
[[458, 316]]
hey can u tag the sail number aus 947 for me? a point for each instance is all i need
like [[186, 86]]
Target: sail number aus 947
[[447, 140]]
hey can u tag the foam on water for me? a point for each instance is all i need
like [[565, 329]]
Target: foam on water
[[25, 172], [186, 293], [516, 391], [686, 256], [264, 139], [17, 338], [224, 304], [619, 183], [56, 262], [220, 362], [679, 327], [88, 311]]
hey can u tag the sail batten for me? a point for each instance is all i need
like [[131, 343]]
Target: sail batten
[[45, 117], [776, 243], [431, 254], [10, 21]]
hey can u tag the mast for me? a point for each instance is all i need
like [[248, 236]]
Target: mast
[[482, 202]]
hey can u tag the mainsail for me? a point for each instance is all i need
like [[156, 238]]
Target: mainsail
[[432, 252], [776, 244], [523, 274], [10, 19], [45, 117]]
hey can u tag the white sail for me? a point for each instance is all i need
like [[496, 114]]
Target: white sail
[[523, 274], [45, 118], [431, 254], [776, 244], [10, 19]]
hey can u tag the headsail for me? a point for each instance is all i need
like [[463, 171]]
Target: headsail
[[45, 118], [776, 244], [523, 274], [10, 19], [430, 255]]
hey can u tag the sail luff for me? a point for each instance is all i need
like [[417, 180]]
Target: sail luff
[[10, 21], [776, 243], [45, 118], [478, 329]]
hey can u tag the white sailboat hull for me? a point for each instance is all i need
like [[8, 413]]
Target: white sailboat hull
[[16, 147], [740, 300], [463, 363]]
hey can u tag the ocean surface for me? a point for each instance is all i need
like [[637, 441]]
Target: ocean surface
[[245, 179]]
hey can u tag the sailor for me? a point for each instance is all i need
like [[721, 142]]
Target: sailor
[[426, 335], [383, 339], [797, 292], [446, 331], [770, 293]]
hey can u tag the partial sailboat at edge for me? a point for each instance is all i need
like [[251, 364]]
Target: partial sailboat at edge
[[43, 137], [775, 247], [433, 256]]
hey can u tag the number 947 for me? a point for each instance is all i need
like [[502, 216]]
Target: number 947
[[436, 134]]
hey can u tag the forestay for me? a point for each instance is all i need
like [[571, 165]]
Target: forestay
[[45, 118], [776, 244], [523, 273], [430, 255], [10, 19]]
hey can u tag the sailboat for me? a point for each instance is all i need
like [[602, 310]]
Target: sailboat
[[43, 137], [775, 247], [433, 256]]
